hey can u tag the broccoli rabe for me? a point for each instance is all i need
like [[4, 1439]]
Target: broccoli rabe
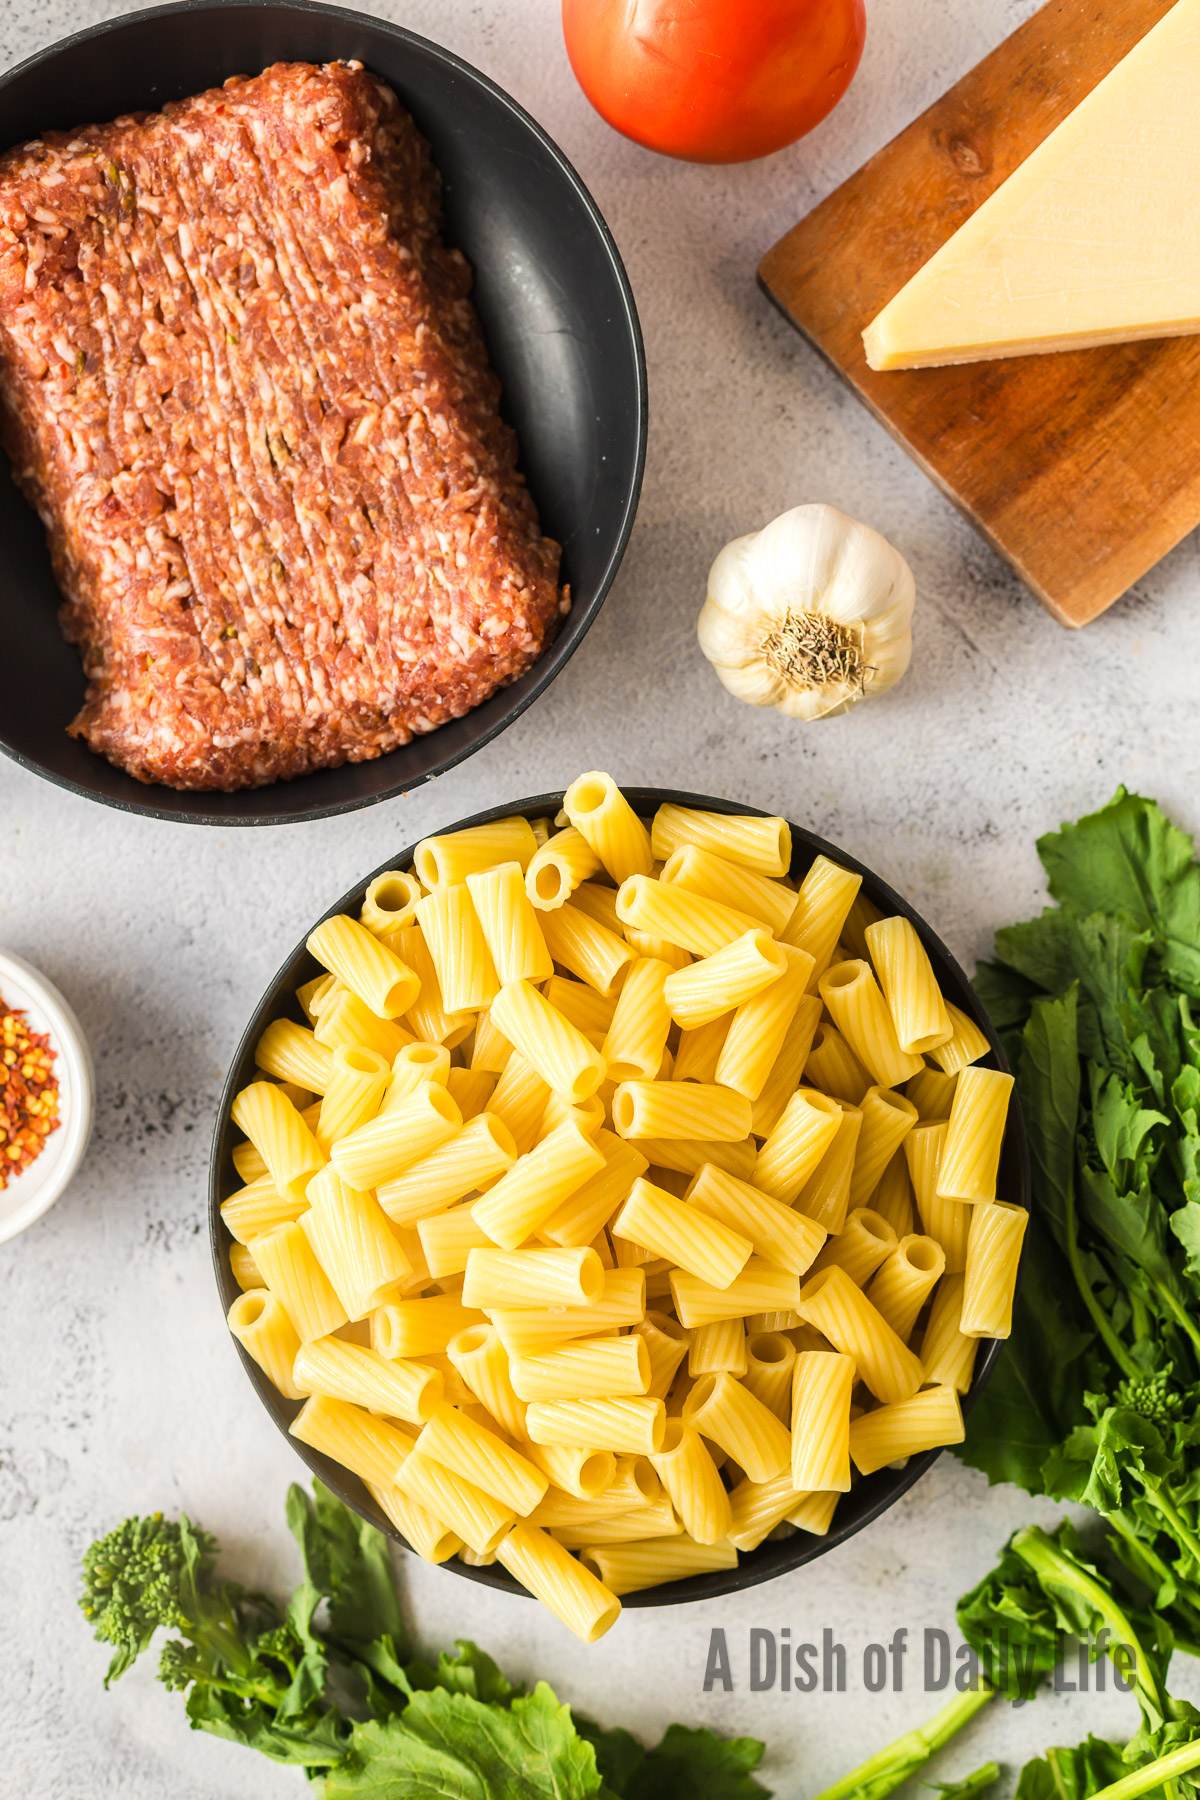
[[324, 1683]]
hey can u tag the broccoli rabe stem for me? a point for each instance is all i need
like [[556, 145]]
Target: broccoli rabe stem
[[1154, 1775], [884, 1772], [180, 1667], [1051, 1566]]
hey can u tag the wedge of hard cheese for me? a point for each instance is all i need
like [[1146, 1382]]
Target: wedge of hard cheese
[[1095, 239]]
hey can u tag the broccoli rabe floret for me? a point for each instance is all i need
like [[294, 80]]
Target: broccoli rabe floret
[[132, 1584], [1150, 1397]]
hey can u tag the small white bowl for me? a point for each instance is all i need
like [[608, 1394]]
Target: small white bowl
[[34, 1191]]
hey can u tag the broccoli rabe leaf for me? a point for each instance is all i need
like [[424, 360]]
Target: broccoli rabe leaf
[[347, 1562], [471, 1671], [1129, 860], [452, 1747], [1073, 1774], [695, 1764]]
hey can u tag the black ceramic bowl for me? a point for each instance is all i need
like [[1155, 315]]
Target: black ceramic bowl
[[870, 1496], [557, 312]]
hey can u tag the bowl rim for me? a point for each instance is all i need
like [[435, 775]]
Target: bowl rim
[[72, 1048], [579, 621], [752, 1569]]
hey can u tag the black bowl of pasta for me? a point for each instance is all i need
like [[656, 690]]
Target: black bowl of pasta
[[520, 1109]]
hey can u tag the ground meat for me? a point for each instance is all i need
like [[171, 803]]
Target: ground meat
[[244, 387]]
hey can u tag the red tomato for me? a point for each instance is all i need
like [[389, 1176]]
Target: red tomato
[[714, 80]]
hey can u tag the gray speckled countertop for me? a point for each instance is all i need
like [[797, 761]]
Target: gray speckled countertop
[[118, 1388]]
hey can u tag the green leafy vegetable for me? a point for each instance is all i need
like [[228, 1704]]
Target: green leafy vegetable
[[1096, 1398], [326, 1682]]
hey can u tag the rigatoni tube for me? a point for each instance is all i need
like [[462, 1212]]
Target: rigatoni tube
[[291, 1053], [629, 1427], [865, 1241], [946, 1221], [907, 1428], [371, 1447], [666, 1343], [684, 1234], [718, 983], [496, 1278], [759, 1028], [693, 923], [690, 1110], [509, 924], [354, 1244], [822, 1382], [825, 1196], [290, 1269], [887, 1119], [770, 1358], [833, 1067], [699, 871], [482, 1361], [557, 868], [356, 1083], [993, 1256], [693, 1482], [558, 1050], [947, 1354], [807, 1128], [974, 1135], [637, 1035], [629, 1568], [826, 895], [588, 1369], [360, 1376], [760, 1288], [474, 1516], [716, 1347], [280, 1136], [450, 925], [365, 965], [536, 1186], [602, 815], [909, 985], [778, 1233], [967, 1045], [585, 1212], [453, 855], [857, 1007], [842, 1313], [588, 949], [762, 845], [397, 1138], [474, 1158], [904, 1281], [414, 1328], [721, 1409], [477, 1455], [261, 1324], [562, 1584]]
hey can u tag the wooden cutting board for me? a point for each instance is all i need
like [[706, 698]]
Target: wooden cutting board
[[1081, 468]]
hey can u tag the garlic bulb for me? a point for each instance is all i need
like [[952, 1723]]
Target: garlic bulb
[[808, 615]]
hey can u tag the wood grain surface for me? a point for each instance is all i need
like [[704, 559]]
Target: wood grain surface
[[1080, 468]]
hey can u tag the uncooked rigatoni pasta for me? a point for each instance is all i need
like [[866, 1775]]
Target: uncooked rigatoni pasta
[[572, 1222]]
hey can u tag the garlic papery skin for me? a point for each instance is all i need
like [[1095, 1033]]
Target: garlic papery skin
[[808, 615]]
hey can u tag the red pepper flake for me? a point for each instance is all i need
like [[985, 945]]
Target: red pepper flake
[[28, 1092]]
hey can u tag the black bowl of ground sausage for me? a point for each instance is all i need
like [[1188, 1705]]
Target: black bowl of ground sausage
[[869, 1496], [557, 314]]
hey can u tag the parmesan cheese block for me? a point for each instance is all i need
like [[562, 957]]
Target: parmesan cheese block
[[1095, 239]]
